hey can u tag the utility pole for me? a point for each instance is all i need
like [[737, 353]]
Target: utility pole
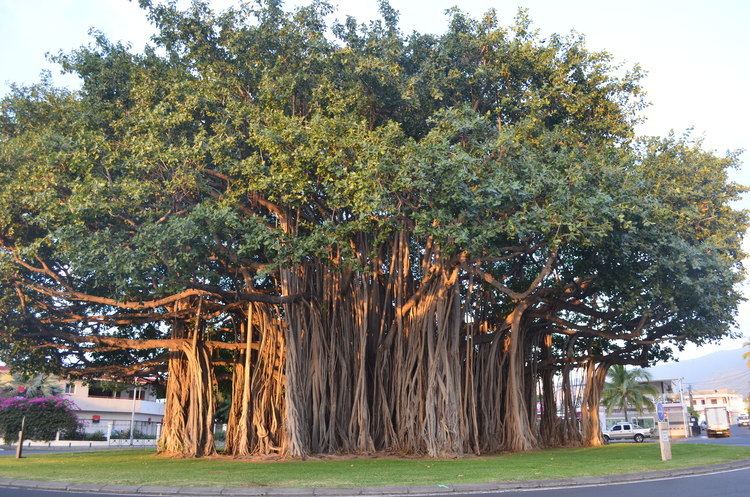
[[684, 411], [692, 403], [19, 449], [132, 414]]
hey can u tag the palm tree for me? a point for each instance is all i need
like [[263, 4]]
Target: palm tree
[[628, 388], [39, 385]]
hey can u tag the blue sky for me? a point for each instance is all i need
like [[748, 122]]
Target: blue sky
[[696, 54]]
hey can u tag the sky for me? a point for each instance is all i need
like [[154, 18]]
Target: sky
[[695, 54]]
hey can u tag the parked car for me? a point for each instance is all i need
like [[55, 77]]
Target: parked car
[[743, 420], [626, 431]]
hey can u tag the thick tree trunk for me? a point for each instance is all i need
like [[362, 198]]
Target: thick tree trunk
[[296, 391], [590, 421], [570, 432], [172, 440], [189, 408], [549, 427], [201, 381], [267, 387], [359, 424], [238, 437], [441, 325], [379, 355], [390, 329], [492, 364], [517, 430]]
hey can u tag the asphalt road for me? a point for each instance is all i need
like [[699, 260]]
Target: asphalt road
[[740, 436], [57, 450], [735, 483], [728, 484]]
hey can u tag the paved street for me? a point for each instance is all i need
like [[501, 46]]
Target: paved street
[[740, 436], [57, 450], [728, 484], [733, 483]]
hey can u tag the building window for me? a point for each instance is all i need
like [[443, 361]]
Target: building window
[[645, 422], [96, 390], [70, 388], [140, 395], [714, 401], [703, 402], [114, 391]]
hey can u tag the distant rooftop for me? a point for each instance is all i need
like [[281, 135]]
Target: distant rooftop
[[728, 391]]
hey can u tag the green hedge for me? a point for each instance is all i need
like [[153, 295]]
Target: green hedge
[[97, 436]]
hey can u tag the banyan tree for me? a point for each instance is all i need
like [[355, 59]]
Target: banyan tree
[[366, 241]]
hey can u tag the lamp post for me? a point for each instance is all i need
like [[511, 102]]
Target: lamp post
[[132, 414], [684, 411]]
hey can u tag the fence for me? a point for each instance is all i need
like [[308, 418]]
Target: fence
[[144, 433], [116, 432]]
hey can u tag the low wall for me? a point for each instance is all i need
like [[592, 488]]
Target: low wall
[[146, 442]]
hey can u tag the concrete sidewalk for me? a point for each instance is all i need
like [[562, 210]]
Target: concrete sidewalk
[[393, 491]]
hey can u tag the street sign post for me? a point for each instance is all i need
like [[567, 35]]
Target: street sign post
[[660, 411], [664, 443]]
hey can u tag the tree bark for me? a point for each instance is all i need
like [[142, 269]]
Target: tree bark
[[517, 430], [590, 420], [189, 408], [172, 441], [549, 424]]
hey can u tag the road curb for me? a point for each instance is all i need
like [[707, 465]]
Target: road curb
[[463, 488]]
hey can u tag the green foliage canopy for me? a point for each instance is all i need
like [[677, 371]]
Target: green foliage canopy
[[242, 142]]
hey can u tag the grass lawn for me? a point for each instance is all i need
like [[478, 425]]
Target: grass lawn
[[136, 467]]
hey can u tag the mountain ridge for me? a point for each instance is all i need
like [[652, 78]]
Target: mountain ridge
[[721, 369]]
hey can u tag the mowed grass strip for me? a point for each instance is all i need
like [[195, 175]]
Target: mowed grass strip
[[141, 467]]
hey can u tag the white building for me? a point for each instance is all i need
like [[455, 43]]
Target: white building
[[720, 397], [108, 408], [102, 408]]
